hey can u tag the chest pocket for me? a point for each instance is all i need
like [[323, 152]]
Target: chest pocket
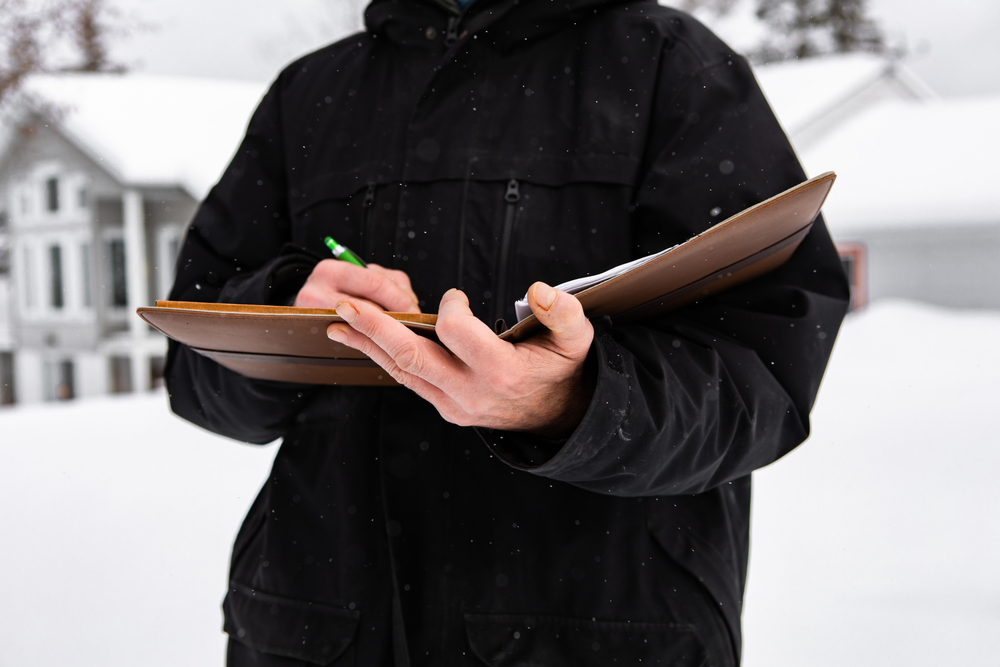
[[540, 223], [343, 208]]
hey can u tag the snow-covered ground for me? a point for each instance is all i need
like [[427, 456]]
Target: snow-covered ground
[[876, 543], [116, 520]]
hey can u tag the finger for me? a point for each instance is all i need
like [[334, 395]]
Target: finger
[[562, 314], [401, 280], [314, 295], [380, 285], [396, 275], [375, 285], [465, 335], [413, 354], [346, 335]]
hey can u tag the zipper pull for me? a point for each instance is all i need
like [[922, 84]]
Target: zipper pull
[[452, 35], [513, 193], [369, 196]]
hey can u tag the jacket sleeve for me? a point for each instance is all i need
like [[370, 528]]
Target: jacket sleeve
[[230, 255], [710, 392]]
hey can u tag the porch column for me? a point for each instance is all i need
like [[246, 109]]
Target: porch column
[[137, 284]]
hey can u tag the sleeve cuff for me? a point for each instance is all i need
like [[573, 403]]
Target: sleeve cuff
[[277, 283], [608, 407]]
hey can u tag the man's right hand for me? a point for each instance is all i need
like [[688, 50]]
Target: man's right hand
[[333, 281]]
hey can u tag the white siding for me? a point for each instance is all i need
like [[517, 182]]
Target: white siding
[[29, 376], [92, 374], [957, 267], [6, 328]]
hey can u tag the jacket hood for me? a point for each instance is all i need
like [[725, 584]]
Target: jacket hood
[[510, 21]]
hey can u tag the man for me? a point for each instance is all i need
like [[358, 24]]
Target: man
[[578, 499]]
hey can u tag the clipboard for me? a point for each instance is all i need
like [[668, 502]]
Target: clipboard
[[288, 344]]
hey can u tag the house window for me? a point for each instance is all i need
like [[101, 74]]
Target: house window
[[121, 375], [52, 195], [119, 292], [854, 259], [56, 275], [85, 269], [7, 378], [156, 367], [81, 198]]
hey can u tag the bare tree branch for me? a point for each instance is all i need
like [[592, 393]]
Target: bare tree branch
[[56, 35], [805, 28]]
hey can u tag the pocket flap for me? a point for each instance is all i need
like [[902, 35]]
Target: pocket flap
[[522, 640], [548, 170], [309, 631]]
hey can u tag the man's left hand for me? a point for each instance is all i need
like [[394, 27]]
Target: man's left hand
[[475, 379]]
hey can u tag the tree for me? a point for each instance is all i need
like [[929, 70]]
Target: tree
[[55, 36], [807, 28], [90, 30]]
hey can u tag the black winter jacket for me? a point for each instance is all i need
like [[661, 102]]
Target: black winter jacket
[[522, 141]]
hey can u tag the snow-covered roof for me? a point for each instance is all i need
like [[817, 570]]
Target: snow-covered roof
[[151, 130], [909, 165], [803, 91]]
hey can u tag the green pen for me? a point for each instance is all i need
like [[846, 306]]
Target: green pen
[[343, 252]]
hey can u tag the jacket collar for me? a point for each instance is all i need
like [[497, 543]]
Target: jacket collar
[[509, 21]]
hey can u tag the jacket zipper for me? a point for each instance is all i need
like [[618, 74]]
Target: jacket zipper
[[368, 205], [451, 35], [512, 196]]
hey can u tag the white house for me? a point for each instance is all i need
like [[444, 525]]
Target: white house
[[919, 192], [916, 208], [814, 97], [99, 175]]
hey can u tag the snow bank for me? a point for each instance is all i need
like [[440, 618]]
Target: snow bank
[[875, 543], [117, 522]]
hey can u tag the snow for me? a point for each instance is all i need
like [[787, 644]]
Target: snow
[[802, 90], [739, 28], [152, 130], [117, 523], [906, 165], [874, 543], [877, 542]]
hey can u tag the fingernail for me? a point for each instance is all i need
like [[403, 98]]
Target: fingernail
[[545, 296], [337, 334], [347, 311]]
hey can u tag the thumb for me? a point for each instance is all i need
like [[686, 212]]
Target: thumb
[[562, 314]]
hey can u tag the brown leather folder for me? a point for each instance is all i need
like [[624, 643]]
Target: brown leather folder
[[290, 344]]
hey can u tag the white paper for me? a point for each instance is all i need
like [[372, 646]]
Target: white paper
[[577, 285]]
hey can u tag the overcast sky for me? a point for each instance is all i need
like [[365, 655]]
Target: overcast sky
[[955, 48]]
